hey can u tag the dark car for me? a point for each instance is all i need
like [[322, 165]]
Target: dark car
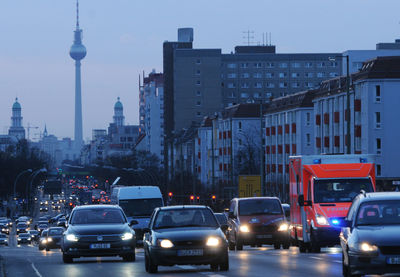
[[3, 239], [370, 240], [42, 226], [257, 221], [34, 234], [98, 230], [43, 239], [185, 235], [286, 210], [62, 222], [4, 228], [222, 220], [54, 236], [24, 238], [22, 228], [44, 209]]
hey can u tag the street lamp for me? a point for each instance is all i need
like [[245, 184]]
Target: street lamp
[[15, 183], [348, 140]]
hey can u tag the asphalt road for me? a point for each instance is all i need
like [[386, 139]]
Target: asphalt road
[[27, 260]]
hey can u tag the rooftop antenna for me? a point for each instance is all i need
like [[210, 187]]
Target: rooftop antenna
[[249, 35], [77, 14], [270, 38]]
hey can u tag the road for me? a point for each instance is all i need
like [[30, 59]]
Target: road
[[27, 260]]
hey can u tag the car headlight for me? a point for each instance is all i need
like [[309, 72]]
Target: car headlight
[[366, 247], [44, 241], [244, 229], [49, 239], [17, 229], [321, 220], [127, 236], [29, 238], [283, 227], [166, 243], [70, 237], [18, 239], [212, 241]]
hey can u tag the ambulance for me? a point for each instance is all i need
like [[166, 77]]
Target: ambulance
[[322, 188]]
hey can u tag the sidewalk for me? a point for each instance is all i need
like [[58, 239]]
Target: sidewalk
[[2, 270]]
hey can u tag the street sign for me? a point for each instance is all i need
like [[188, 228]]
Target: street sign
[[249, 186]]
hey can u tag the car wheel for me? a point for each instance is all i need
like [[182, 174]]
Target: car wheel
[[286, 245], [231, 245], [129, 257], [277, 246], [47, 249], [314, 247], [149, 265], [302, 247], [214, 267], [346, 269], [239, 245], [259, 245], [67, 259], [224, 266], [40, 248]]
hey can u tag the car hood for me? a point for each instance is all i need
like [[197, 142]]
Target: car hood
[[261, 219], [98, 229], [188, 233], [379, 235]]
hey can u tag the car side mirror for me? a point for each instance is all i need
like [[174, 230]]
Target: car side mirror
[[146, 230], [224, 227], [303, 202], [231, 215], [347, 223], [133, 222]]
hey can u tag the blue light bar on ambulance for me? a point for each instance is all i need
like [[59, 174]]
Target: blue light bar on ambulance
[[363, 160], [335, 221], [317, 161]]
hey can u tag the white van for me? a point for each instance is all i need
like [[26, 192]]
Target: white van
[[138, 203]]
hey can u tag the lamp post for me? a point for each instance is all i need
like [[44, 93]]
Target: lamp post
[[348, 138], [34, 174], [15, 184]]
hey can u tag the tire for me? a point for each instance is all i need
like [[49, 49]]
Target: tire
[[302, 247], [224, 266], [259, 245], [239, 244], [314, 246], [67, 259], [277, 246], [231, 245], [214, 267], [129, 257], [47, 249], [41, 248], [346, 271], [286, 245], [149, 265]]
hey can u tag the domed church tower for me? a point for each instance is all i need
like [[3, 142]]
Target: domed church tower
[[16, 128], [119, 117]]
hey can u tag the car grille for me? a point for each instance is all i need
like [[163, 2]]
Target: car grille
[[189, 243], [264, 228], [94, 238], [390, 250]]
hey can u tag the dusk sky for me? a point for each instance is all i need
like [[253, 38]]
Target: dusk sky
[[124, 37]]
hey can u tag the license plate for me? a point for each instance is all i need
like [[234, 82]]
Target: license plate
[[393, 260], [190, 252], [263, 236], [100, 246]]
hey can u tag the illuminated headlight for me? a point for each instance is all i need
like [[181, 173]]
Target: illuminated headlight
[[212, 241], [244, 229], [50, 239], [366, 247], [127, 236], [5, 240], [4, 230], [44, 241], [17, 229], [18, 239], [70, 237], [29, 238], [321, 220], [283, 227], [166, 243]]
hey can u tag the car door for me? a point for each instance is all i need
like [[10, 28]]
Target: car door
[[231, 220], [147, 235], [346, 231]]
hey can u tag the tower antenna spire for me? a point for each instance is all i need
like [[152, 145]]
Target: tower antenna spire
[[77, 14]]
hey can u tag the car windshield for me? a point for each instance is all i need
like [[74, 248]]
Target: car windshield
[[185, 217], [24, 235], [33, 232], [339, 190], [140, 207], [98, 216], [259, 206], [55, 232], [22, 225], [222, 219], [44, 233], [384, 212], [3, 236]]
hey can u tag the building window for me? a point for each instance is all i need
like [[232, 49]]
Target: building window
[[308, 119], [268, 95], [308, 139], [244, 95], [270, 85], [270, 65], [308, 64], [245, 75], [240, 125], [295, 85], [198, 61], [334, 64], [231, 95], [256, 95], [198, 72], [269, 75], [378, 94], [244, 65], [308, 74], [321, 64], [378, 120], [258, 85], [378, 146], [231, 65], [198, 103], [296, 65], [258, 65], [198, 113], [231, 75], [198, 93], [240, 141], [231, 85], [378, 170], [283, 85], [295, 75], [333, 74], [198, 82], [283, 65], [282, 75], [309, 84], [257, 75], [321, 75], [245, 85]]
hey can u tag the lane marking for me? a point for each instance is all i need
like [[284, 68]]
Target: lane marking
[[35, 269], [336, 261], [316, 258]]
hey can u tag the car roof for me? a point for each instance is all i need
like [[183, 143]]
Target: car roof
[[96, 207], [183, 207], [56, 228], [256, 198], [377, 196]]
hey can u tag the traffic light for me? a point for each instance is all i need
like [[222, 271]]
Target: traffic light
[[170, 195], [197, 199], [191, 199], [213, 199]]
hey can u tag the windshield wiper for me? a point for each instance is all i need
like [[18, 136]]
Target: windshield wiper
[[164, 227]]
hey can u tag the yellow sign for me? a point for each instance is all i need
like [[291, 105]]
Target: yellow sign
[[249, 186]]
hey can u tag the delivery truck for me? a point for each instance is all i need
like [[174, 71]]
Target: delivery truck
[[322, 188]]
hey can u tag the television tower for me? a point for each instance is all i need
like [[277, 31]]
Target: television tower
[[78, 52]]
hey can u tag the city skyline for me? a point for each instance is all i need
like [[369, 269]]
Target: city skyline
[[42, 76]]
